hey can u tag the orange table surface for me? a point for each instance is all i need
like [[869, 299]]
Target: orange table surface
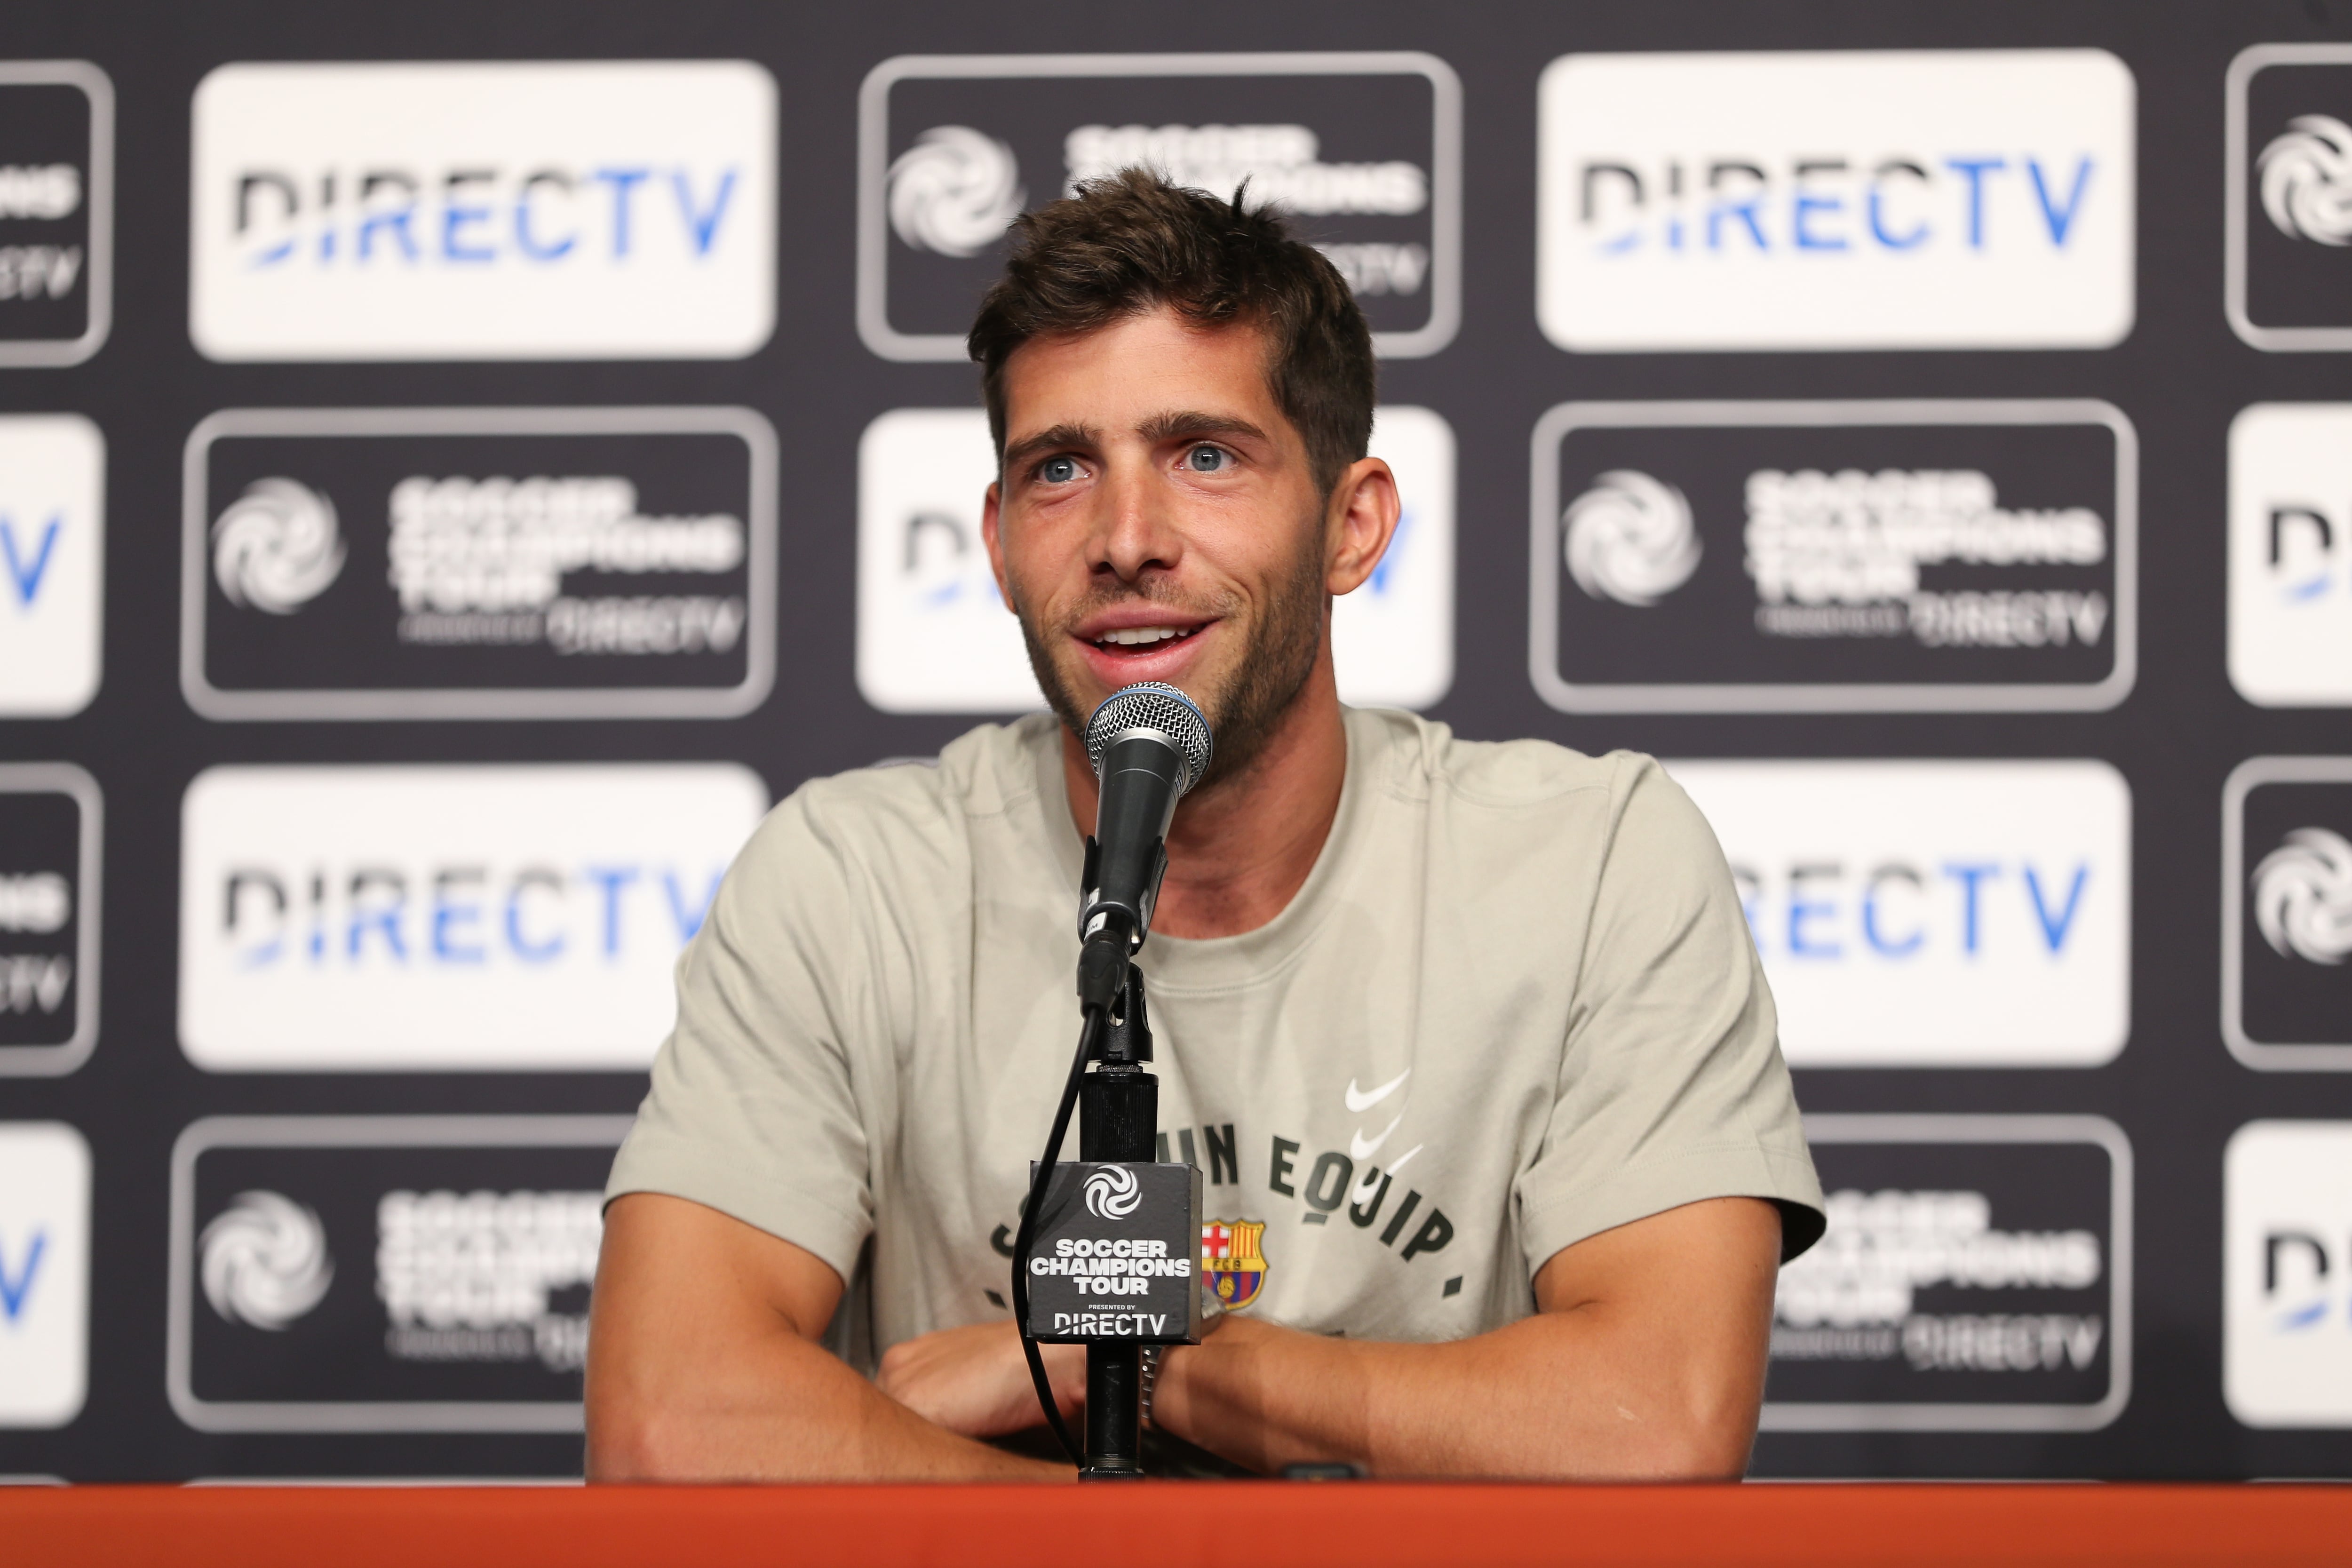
[[1220, 1524]]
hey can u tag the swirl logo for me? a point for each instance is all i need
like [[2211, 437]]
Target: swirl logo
[[1631, 539], [265, 1261], [2303, 895], [277, 547], [1113, 1192], [2307, 180], [955, 191]]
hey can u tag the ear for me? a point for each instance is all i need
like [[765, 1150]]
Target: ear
[[1362, 521], [991, 536]]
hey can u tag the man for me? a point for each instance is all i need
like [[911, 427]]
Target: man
[[1471, 1039]]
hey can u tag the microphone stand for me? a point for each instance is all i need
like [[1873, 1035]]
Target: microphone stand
[[1119, 1119]]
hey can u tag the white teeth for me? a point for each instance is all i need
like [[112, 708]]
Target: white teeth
[[1132, 636]]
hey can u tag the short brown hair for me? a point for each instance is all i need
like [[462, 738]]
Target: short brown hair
[[1133, 242]]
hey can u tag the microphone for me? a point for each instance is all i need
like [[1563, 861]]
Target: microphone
[[1149, 744]]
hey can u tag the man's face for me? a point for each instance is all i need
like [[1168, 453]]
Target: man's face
[[1157, 519]]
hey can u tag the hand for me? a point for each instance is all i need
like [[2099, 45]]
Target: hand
[[974, 1379]]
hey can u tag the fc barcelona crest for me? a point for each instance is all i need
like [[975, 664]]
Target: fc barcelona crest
[[1233, 1260]]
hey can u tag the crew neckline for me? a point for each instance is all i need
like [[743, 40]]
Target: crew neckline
[[1196, 965]]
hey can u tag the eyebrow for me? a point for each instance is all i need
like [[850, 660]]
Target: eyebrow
[[1028, 446], [1176, 426]]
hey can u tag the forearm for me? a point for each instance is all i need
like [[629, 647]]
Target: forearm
[[786, 1410], [704, 1365], [1584, 1395]]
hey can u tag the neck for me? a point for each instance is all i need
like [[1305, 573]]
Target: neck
[[1241, 848]]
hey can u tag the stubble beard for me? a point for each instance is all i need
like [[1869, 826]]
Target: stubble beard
[[1249, 704]]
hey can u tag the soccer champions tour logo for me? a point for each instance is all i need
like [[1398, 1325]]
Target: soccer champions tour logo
[[50, 838], [1363, 151], [57, 211], [2287, 244], [362, 1274], [2286, 905], [586, 563], [1976, 1276], [1782, 557]]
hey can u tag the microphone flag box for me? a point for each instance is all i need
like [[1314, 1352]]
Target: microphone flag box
[[1117, 1254]]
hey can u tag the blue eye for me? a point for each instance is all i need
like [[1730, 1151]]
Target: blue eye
[[1058, 470], [1205, 460]]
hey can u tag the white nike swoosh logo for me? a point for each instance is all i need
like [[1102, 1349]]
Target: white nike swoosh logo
[[1360, 1104], [1363, 1147], [1408, 1155]]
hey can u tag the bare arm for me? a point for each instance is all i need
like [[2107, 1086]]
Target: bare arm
[[1645, 1362], [703, 1364]]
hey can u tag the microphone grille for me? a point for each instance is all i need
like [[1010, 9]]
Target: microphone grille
[[1157, 706]]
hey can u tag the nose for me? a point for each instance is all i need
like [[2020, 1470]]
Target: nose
[[1135, 531]]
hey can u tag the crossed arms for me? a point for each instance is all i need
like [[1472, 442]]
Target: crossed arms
[[1644, 1361]]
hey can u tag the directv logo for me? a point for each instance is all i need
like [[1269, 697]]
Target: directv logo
[[52, 548], [2288, 1274], [1827, 205], [446, 918], [1933, 914], [1854, 199], [475, 215], [457, 915], [2291, 554], [482, 210], [45, 1182]]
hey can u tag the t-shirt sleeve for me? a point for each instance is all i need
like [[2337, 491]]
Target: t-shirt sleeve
[[1672, 1086], [754, 1108]]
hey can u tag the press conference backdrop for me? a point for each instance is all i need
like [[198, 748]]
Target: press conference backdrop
[[458, 468]]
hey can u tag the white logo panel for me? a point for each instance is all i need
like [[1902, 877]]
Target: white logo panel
[[934, 636], [2286, 1270], [1861, 199], [532, 210], [43, 1273], [2291, 554], [52, 563], [1933, 913], [438, 919]]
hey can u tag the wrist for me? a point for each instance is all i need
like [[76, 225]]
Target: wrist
[[1172, 1379]]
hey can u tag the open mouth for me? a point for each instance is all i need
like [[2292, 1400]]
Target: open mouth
[[1139, 639]]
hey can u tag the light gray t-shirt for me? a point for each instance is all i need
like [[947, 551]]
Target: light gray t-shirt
[[1516, 1004]]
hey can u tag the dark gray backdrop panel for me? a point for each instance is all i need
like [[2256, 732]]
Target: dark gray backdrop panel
[[2180, 376]]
